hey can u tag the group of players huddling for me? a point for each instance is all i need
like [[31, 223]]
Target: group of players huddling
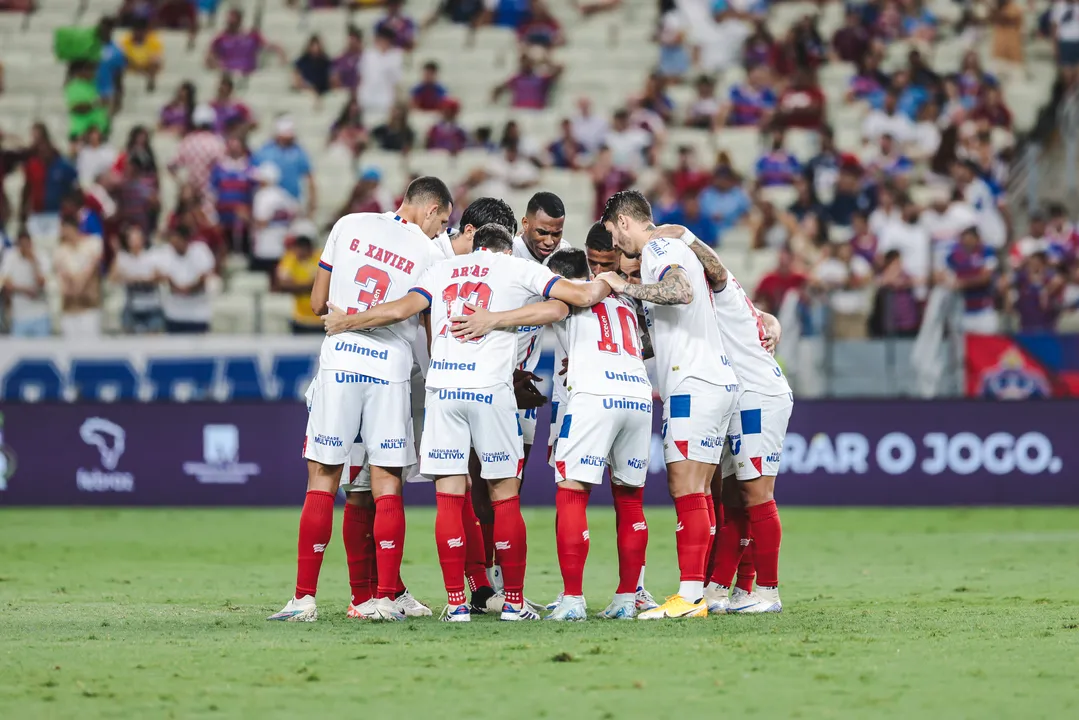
[[462, 315]]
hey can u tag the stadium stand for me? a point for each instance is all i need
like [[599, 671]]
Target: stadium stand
[[805, 140]]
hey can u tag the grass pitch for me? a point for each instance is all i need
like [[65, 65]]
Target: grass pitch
[[160, 613]]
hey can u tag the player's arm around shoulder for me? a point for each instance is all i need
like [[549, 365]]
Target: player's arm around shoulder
[[478, 321], [714, 269], [672, 287], [337, 321]]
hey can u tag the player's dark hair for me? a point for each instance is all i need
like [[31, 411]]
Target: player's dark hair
[[486, 210], [569, 263], [598, 238], [547, 202], [627, 202], [492, 237], [426, 190]]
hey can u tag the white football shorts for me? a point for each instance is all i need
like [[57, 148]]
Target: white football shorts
[[598, 431], [695, 421], [455, 421], [755, 435], [346, 407], [356, 475]]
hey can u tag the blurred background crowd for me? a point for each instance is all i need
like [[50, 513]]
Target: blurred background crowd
[[173, 165]]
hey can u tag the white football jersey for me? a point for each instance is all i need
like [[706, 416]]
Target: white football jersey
[[742, 330], [492, 280], [530, 338], [374, 258], [685, 338], [604, 350]]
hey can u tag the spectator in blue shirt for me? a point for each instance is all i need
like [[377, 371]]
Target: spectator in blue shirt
[[910, 98], [508, 13], [110, 66], [689, 214], [724, 202], [291, 160], [777, 167]]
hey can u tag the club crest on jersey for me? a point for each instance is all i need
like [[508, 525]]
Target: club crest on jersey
[[734, 442]]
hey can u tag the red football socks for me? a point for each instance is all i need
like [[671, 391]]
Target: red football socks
[[572, 537], [729, 545], [511, 541], [389, 532], [475, 550], [450, 539], [488, 530], [632, 536], [747, 573], [767, 534], [691, 536], [713, 527], [316, 526], [357, 531]]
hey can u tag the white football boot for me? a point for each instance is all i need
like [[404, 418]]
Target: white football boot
[[717, 598], [767, 601], [644, 600], [512, 614], [741, 599], [456, 613], [386, 609], [623, 607], [570, 607], [363, 611], [297, 610], [411, 607]]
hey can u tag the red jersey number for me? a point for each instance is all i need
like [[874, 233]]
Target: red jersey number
[[374, 284]]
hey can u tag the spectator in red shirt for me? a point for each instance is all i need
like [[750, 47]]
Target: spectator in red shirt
[[851, 42], [802, 105], [531, 86], [687, 178], [774, 286], [992, 109]]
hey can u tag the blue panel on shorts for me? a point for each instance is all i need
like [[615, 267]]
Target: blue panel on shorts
[[679, 406], [520, 430], [564, 432], [554, 412], [751, 422]]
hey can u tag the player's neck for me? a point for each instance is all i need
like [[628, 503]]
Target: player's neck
[[410, 213]]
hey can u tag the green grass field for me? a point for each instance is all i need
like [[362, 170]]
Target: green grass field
[[160, 613]]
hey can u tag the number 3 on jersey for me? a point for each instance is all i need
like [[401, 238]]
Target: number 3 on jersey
[[627, 319], [477, 293], [374, 283]]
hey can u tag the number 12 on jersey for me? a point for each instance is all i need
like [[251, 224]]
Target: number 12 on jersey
[[627, 319], [477, 293]]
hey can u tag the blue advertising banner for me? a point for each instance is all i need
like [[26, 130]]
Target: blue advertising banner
[[903, 452]]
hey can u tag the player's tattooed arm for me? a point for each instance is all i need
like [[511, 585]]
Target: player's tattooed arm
[[479, 321], [338, 321], [673, 289], [714, 269]]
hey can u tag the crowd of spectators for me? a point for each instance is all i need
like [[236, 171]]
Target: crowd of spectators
[[866, 230]]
